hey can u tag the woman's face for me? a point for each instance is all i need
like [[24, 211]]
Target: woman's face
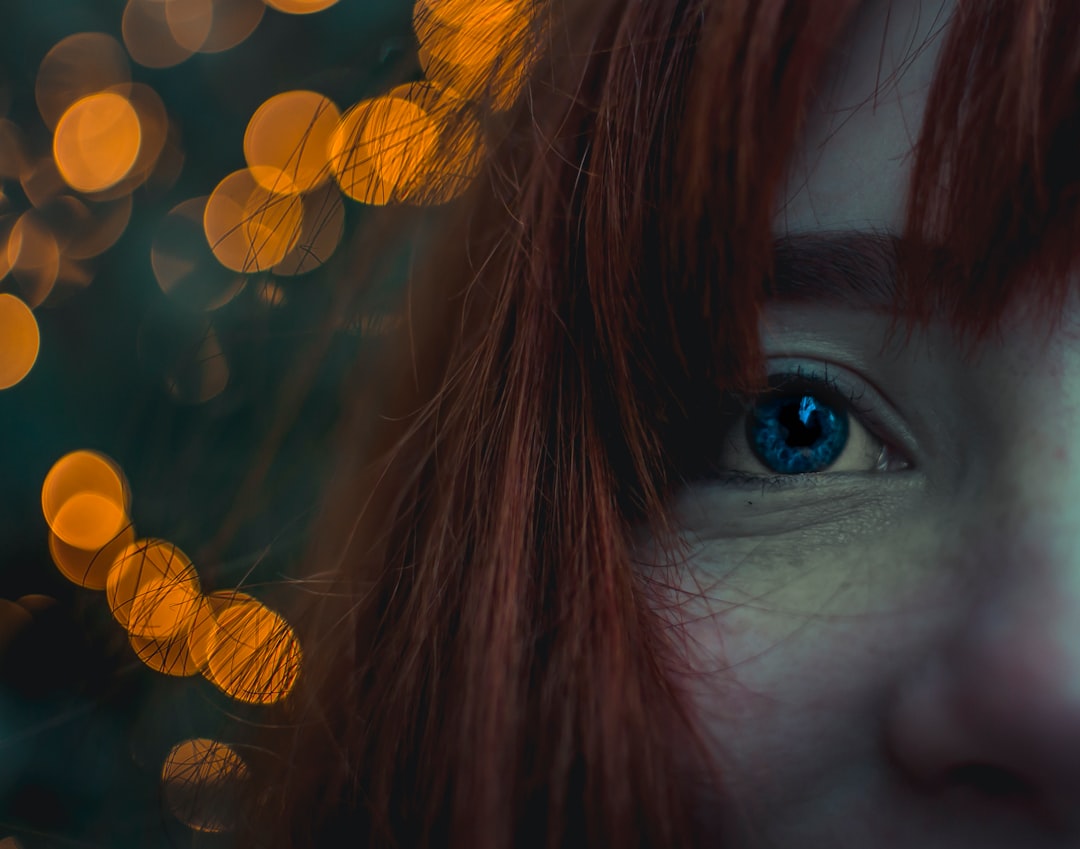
[[892, 658]]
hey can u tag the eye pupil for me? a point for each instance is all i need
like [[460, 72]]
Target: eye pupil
[[801, 422], [797, 434]]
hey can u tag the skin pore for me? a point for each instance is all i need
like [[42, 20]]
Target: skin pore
[[891, 659]]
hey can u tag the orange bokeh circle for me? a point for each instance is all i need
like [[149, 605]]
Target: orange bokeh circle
[[252, 654], [291, 133], [152, 589], [19, 340], [85, 500], [300, 7], [97, 141], [248, 227]]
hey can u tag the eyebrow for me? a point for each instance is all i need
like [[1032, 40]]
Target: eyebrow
[[846, 268]]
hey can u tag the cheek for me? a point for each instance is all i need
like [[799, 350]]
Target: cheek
[[781, 703], [758, 660], [791, 645], [790, 659]]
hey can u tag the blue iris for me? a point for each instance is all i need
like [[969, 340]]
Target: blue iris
[[797, 433]]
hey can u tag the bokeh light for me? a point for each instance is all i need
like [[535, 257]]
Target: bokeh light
[[164, 608], [458, 13], [89, 568], [94, 227], [300, 7], [169, 656], [205, 621], [148, 35], [97, 141], [421, 144], [498, 87], [85, 499], [76, 67], [88, 519], [270, 293], [163, 33], [72, 277], [248, 227], [40, 179], [184, 652], [233, 22], [121, 136], [400, 136], [36, 602], [290, 133], [471, 33], [190, 22], [19, 340], [481, 48], [351, 163], [454, 163], [252, 654], [50, 244], [320, 233], [152, 589], [7, 224], [154, 130], [33, 256], [184, 266], [201, 780]]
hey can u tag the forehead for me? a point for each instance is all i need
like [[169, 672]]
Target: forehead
[[851, 168]]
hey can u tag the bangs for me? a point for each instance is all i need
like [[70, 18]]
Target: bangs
[[664, 233], [992, 217], [648, 202], [991, 224]]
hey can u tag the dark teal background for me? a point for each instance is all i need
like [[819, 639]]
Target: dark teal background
[[84, 726]]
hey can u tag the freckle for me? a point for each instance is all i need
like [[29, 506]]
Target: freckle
[[1059, 454]]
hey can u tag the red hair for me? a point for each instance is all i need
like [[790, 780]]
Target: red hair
[[484, 666]]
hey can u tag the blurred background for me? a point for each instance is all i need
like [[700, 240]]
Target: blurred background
[[181, 186]]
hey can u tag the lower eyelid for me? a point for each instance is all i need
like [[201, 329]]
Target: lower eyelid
[[748, 481]]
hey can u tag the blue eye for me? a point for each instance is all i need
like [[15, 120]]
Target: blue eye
[[796, 434], [806, 423]]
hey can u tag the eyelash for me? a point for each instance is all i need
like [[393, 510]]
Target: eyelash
[[814, 382]]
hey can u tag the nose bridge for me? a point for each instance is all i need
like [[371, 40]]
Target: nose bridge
[[998, 696], [1031, 467], [1000, 689], [1023, 554], [1020, 503], [1021, 640], [1007, 695]]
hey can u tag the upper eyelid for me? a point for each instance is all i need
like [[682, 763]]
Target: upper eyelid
[[851, 392], [847, 392]]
